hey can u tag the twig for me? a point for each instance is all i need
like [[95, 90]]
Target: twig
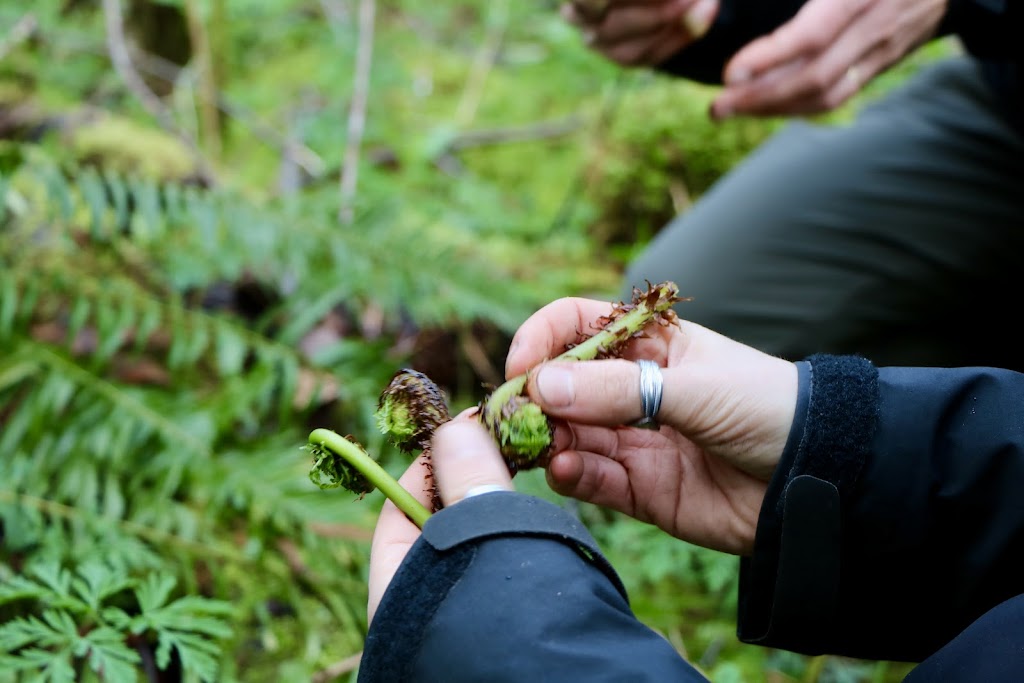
[[205, 65], [302, 155], [122, 61], [357, 110], [584, 176], [495, 136], [337, 15], [477, 357], [338, 668], [482, 65], [447, 161], [19, 33]]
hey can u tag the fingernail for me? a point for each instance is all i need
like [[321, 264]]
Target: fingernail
[[555, 386], [589, 36], [509, 356], [720, 111], [698, 20], [738, 76]]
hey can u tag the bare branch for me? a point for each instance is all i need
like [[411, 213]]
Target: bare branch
[[19, 33], [203, 55], [357, 110], [302, 155], [338, 668], [535, 131], [482, 65], [122, 61]]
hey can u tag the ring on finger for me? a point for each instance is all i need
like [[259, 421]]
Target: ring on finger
[[651, 388]]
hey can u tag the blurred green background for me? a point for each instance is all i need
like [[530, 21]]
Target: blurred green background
[[224, 223]]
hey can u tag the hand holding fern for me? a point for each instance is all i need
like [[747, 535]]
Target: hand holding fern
[[726, 414], [463, 456]]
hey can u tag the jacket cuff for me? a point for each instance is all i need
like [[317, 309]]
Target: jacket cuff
[[789, 586], [442, 556]]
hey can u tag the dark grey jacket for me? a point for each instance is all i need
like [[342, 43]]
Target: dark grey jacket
[[893, 529]]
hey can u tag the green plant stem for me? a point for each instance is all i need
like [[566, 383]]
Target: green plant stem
[[616, 333], [623, 328], [387, 484]]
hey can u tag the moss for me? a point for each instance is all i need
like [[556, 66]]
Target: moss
[[661, 152], [122, 145]]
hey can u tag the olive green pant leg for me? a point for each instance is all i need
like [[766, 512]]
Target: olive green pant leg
[[899, 236]]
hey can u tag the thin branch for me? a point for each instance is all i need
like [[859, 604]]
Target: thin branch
[[357, 110], [122, 61], [482, 65], [19, 33], [338, 668], [203, 52], [535, 131], [302, 155], [446, 158]]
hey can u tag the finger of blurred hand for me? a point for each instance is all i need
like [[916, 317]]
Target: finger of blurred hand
[[804, 86], [814, 28], [623, 23], [818, 100], [465, 457], [589, 11], [547, 332], [395, 533], [646, 50], [645, 32]]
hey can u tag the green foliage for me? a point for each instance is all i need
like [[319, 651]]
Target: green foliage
[[167, 340], [659, 154], [100, 618]]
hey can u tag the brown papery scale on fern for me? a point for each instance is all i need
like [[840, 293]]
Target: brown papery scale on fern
[[410, 408], [523, 432]]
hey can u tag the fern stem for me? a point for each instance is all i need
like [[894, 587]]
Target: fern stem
[[171, 431], [55, 509], [356, 457], [657, 301]]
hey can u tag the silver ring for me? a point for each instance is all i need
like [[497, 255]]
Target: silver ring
[[853, 76], [651, 388], [482, 489]]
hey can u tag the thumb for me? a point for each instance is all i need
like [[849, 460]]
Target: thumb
[[602, 392], [465, 458]]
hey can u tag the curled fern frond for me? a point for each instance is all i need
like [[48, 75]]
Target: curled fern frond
[[330, 470]]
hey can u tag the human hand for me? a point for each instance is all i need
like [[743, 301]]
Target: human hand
[[824, 55], [640, 32], [725, 418], [464, 457]]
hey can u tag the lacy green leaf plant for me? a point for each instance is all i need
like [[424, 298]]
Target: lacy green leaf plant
[[100, 619]]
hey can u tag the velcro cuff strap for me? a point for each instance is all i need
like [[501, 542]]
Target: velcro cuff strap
[[513, 514]]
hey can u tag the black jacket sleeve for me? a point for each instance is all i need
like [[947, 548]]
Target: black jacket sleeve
[[738, 22], [507, 587], [895, 521]]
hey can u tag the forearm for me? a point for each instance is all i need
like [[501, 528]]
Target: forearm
[[505, 587], [923, 538]]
